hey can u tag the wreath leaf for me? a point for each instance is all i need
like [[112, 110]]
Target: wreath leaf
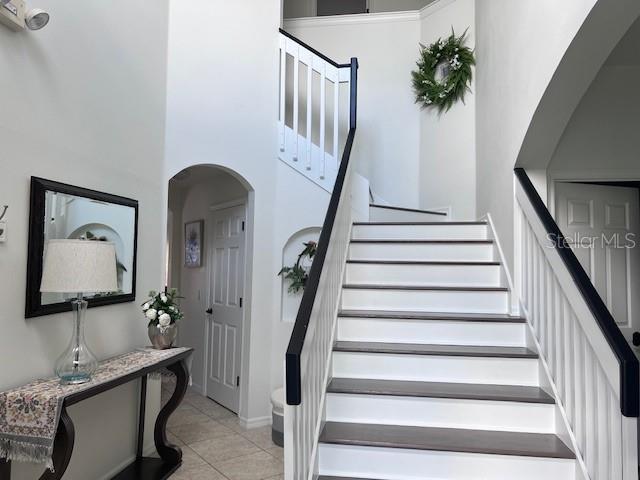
[[429, 91]]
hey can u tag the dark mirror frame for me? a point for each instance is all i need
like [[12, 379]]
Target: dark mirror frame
[[39, 187]]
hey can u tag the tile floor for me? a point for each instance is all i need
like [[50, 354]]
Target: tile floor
[[215, 446]]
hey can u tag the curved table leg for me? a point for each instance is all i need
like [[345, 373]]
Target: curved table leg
[[62, 447], [168, 452]]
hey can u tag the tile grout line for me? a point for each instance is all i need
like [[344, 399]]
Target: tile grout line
[[235, 432]]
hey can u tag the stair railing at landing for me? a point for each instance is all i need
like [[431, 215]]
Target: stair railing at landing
[[308, 355], [594, 371], [312, 123]]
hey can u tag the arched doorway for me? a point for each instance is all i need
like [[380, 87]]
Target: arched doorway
[[209, 221]]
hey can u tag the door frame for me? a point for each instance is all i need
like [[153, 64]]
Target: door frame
[[596, 177], [246, 307]]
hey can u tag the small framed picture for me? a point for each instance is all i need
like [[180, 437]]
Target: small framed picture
[[193, 243]]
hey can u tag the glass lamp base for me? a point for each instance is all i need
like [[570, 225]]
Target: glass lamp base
[[77, 363]]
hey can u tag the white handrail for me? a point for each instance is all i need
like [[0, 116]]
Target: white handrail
[[311, 147], [583, 368]]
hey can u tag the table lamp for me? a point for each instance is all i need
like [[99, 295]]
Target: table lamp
[[79, 267]]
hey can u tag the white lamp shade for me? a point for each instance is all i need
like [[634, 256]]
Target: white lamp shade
[[79, 266]]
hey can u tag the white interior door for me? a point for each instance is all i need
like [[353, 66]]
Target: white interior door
[[225, 315], [603, 223]]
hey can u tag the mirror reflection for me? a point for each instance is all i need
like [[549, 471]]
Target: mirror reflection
[[74, 217]]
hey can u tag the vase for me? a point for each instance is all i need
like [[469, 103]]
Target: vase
[[163, 340]]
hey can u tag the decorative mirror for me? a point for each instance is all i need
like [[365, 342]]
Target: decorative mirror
[[60, 211]]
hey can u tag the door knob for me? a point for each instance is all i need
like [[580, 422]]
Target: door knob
[[209, 311]]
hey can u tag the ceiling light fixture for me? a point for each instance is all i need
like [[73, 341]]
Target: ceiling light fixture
[[36, 18]]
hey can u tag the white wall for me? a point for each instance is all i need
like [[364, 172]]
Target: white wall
[[518, 48], [601, 140], [387, 151], [447, 140], [85, 105], [222, 109], [412, 158]]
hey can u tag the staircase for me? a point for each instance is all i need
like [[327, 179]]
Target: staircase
[[430, 377], [404, 362]]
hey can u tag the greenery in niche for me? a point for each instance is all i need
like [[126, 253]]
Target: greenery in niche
[[297, 274], [444, 72]]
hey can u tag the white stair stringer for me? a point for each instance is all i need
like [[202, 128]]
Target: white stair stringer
[[320, 170]]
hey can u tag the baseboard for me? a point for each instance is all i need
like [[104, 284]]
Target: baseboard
[[255, 422], [197, 388], [148, 451]]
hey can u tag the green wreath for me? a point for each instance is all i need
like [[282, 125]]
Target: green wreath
[[444, 72]]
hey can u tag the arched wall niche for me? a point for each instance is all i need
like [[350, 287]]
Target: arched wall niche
[[290, 302]]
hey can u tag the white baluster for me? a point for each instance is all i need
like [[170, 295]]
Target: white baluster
[[309, 111], [283, 90], [323, 124], [296, 96], [336, 121]]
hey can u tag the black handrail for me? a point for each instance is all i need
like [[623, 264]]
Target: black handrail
[[314, 51], [629, 370], [294, 350]]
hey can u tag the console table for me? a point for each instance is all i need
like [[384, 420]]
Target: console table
[[143, 468]]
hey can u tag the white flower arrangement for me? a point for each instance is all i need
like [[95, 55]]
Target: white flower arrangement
[[162, 309]]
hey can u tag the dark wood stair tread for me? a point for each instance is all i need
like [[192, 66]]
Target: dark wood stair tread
[[325, 477], [404, 209], [429, 349], [425, 262], [454, 288], [446, 439], [463, 391], [418, 223], [427, 316], [405, 240]]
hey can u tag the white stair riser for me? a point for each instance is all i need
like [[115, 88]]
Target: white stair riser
[[441, 412], [422, 251], [435, 368], [440, 332], [420, 232], [389, 215], [426, 300], [438, 275], [405, 464]]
